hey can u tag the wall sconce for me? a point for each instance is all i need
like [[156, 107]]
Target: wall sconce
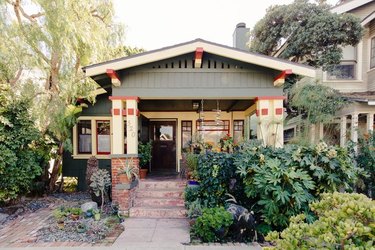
[[195, 105]]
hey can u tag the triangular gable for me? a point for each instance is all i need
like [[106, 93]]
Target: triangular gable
[[349, 5], [188, 47]]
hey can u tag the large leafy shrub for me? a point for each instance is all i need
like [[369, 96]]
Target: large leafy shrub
[[19, 160], [215, 171], [366, 160], [213, 224], [284, 180], [345, 221]]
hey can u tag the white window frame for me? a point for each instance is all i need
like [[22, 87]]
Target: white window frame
[[358, 68], [369, 49], [93, 120]]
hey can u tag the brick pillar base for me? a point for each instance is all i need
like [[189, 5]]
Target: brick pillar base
[[123, 194]]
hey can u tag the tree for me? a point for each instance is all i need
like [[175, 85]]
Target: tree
[[44, 43], [313, 35], [19, 160]]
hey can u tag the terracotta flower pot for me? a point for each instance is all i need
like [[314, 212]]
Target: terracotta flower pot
[[124, 179], [143, 173]]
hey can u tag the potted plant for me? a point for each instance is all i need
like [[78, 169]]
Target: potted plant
[[75, 212], [128, 173], [144, 150], [191, 164], [100, 182]]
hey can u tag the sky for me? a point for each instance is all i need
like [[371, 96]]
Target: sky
[[153, 24]]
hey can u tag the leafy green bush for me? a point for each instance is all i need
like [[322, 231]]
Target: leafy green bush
[[366, 160], [345, 221], [284, 180], [191, 194], [215, 171], [19, 159], [213, 224]]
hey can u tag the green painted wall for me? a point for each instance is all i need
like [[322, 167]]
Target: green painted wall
[[77, 168]]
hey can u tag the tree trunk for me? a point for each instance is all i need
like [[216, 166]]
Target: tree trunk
[[55, 168]]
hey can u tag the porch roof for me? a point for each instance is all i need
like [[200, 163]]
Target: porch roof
[[191, 46]]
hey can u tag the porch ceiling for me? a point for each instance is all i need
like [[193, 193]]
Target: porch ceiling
[[187, 105]]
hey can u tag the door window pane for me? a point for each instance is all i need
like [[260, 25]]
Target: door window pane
[[166, 133], [103, 137], [84, 137]]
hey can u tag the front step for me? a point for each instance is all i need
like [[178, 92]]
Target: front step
[[148, 184], [158, 202], [159, 193], [159, 199], [151, 212]]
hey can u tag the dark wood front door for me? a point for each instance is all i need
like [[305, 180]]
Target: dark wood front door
[[163, 136]]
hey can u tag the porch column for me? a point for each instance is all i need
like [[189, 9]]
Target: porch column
[[370, 122], [132, 125], [117, 126], [269, 111], [312, 133], [321, 130], [343, 122], [354, 130]]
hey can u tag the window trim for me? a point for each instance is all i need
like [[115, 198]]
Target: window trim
[[96, 135], [243, 127], [371, 40], [182, 131], [78, 139], [93, 120]]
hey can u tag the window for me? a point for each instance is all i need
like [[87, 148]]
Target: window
[[212, 131], [103, 137], [186, 133], [238, 130], [372, 53], [344, 71], [347, 68], [84, 137]]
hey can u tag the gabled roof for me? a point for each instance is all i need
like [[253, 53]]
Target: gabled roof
[[191, 46], [368, 19], [349, 5]]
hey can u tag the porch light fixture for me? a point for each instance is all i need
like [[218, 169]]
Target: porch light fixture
[[195, 105]]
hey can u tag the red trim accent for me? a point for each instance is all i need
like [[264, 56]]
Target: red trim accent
[[283, 74], [257, 112], [137, 112], [130, 112], [278, 111], [115, 111], [124, 112], [112, 74], [264, 111], [198, 53], [259, 98], [124, 98]]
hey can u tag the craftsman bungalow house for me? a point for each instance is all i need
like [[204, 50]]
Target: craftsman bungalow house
[[175, 94]]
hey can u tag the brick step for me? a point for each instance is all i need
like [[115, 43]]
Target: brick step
[[149, 184], [159, 193], [159, 202], [150, 212]]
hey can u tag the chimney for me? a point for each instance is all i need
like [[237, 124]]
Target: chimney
[[241, 36]]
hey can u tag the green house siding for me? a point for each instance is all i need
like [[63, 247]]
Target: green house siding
[[102, 107], [77, 168]]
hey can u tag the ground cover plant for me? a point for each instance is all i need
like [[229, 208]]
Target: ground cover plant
[[344, 221]]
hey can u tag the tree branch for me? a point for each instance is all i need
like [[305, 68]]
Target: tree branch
[[16, 78]]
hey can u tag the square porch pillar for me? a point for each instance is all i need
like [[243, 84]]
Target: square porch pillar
[[270, 128], [343, 122], [354, 130], [370, 122], [132, 125], [122, 193], [117, 126]]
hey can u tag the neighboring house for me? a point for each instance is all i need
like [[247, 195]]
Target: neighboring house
[[354, 78], [172, 94]]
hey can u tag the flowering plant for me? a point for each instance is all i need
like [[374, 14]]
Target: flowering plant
[[226, 143]]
